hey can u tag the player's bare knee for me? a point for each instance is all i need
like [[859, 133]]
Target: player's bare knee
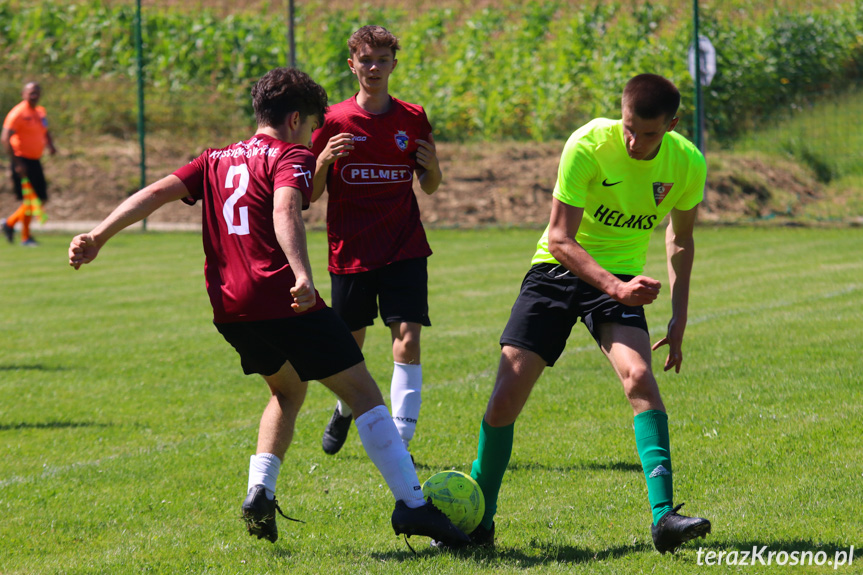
[[290, 403], [406, 351], [639, 384], [356, 387], [406, 347]]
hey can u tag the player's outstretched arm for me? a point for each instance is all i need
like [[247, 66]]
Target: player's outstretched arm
[[680, 251], [85, 247], [430, 174], [291, 233]]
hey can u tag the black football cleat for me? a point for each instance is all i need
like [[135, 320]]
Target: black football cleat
[[482, 537], [673, 530], [259, 513], [336, 432], [479, 537], [427, 521], [9, 232]]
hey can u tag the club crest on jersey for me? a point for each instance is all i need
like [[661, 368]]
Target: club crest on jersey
[[660, 190], [402, 140]]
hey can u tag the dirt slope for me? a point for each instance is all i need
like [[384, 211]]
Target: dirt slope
[[484, 184]]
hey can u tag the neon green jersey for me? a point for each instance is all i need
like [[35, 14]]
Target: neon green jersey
[[623, 199]]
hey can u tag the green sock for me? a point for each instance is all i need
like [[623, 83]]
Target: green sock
[[654, 449], [493, 451]]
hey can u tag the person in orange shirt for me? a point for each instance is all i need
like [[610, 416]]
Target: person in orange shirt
[[24, 137]]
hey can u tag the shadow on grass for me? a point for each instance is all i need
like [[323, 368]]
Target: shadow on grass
[[532, 466], [580, 466], [30, 367], [51, 425], [281, 552], [534, 556]]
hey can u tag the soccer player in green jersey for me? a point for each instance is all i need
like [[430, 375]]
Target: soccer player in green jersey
[[616, 182]]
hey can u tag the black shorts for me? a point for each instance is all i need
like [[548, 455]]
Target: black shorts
[[34, 174], [317, 344], [551, 301], [401, 287]]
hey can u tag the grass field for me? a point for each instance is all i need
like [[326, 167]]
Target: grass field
[[126, 423], [812, 137]]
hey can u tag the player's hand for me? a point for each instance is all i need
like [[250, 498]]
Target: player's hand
[[640, 290], [19, 168], [82, 250], [674, 341], [303, 293], [339, 146], [427, 154]]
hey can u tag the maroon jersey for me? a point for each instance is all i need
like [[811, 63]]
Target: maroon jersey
[[247, 273], [373, 218]]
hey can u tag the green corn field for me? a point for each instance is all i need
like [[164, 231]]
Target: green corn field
[[527, 70]]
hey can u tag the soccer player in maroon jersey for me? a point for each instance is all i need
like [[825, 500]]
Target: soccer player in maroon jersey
[[368, 151], [264, 300]]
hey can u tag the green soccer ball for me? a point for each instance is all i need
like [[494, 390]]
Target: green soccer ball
[[458, 496]]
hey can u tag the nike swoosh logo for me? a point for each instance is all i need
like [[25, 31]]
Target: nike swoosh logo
[[608, 185], [628, 315]]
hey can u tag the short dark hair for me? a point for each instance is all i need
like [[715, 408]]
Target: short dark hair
[[650, 96], [282, 91], [375, 37]]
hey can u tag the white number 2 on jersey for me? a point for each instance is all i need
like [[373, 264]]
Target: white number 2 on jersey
[[228, 210]]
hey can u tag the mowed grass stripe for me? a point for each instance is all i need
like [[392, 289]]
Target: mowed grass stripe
[[126, 423]]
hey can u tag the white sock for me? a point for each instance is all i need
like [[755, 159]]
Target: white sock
[[344, 410], [381, 442], [406, 399], [264, 470]]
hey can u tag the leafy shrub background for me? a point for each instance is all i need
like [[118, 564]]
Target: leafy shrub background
[[529, 70]]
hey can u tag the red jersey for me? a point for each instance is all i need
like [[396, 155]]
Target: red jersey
[[247, 273], [373, 218]]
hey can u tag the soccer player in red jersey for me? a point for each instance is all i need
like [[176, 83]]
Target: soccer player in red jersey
[[368, 151], [264, 300]]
